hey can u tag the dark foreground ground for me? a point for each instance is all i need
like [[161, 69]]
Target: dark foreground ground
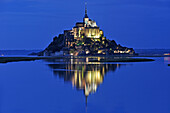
[[17, 59], [95, 59], [123, 60]]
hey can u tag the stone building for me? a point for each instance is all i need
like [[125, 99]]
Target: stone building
[[83, 32]]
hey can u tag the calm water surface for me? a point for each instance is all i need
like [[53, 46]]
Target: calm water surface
[[53, 87]]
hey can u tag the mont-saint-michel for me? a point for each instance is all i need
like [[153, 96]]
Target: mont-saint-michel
[[48, 67], [85, 39]]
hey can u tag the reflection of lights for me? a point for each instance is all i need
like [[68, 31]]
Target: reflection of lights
[[117, 65], [74, 79], [98, 58], [87, 59], [103, 71], [86, 76], [71, 59], [167, 59]]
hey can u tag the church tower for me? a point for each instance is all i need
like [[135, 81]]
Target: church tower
[[86, 18]]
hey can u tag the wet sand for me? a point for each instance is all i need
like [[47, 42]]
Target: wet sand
[[123, 60], [102, 59]]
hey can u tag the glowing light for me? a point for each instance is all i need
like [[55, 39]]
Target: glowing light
[[167, 54], [98, 58], [87, 59], [87, 52], [167, 59]]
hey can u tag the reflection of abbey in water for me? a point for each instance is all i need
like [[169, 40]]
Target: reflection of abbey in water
[[85, 77]]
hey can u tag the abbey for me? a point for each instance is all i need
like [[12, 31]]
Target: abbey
[[83, 32], [85, 38]]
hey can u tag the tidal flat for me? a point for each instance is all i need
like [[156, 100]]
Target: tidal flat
[[123, 60], [92, 59], [17, 59]]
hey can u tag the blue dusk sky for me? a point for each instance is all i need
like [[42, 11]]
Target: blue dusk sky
[[32, 24]]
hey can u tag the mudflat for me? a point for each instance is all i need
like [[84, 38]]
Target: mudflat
[[121, 59]]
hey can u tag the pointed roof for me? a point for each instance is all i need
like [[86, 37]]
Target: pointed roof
[[86, 16]]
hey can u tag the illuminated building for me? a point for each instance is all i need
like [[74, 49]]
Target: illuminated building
[[83, 34], [85, 39]]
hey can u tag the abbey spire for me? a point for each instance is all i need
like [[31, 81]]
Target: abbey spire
[[86, 16]]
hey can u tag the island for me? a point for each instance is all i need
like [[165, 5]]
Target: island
[[85, 39]]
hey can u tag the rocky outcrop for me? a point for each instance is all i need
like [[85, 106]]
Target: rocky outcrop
[[58, 44], [55, 46]]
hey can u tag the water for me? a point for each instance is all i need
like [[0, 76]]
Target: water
[[151, 52], [17, 52], [52, 86]]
